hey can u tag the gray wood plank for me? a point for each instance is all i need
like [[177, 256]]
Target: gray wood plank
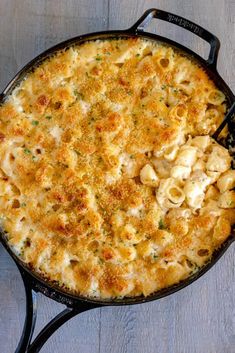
[[200, 318]]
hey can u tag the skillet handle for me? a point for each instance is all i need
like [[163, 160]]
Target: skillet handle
[[214, 42], [26, 345]]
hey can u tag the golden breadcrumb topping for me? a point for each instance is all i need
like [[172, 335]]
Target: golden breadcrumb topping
[[109, 182]]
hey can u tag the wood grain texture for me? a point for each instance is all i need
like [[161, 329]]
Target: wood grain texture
[[198, 319]]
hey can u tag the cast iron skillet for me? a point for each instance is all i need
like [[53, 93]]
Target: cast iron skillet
[[32, 281]]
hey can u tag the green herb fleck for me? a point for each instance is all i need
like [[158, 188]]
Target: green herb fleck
[[48, 117], [79, 95], [35, 122], [161, 224], [137, 55], [163, 86], [27, 151], [23, 204], [98, 57]]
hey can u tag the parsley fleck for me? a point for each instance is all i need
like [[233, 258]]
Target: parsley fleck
[[27, 151], [35, 122], [78, 94], [137, 55], [98, 58], [161, 224], [23, 204], [48, 117]]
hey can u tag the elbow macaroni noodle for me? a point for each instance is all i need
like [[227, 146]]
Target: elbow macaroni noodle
[[110, 184]]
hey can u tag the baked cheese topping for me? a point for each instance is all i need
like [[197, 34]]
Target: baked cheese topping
[[110, 185]]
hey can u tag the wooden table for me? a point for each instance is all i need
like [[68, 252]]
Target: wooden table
[[198, 319]]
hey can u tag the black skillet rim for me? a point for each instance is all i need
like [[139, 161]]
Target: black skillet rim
[[35, 280]]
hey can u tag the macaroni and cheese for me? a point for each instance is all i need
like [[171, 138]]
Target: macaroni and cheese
[[110, 184]]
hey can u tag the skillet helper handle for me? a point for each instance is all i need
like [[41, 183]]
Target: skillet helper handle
[[214, 42], [30, 315], [26, 345]]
